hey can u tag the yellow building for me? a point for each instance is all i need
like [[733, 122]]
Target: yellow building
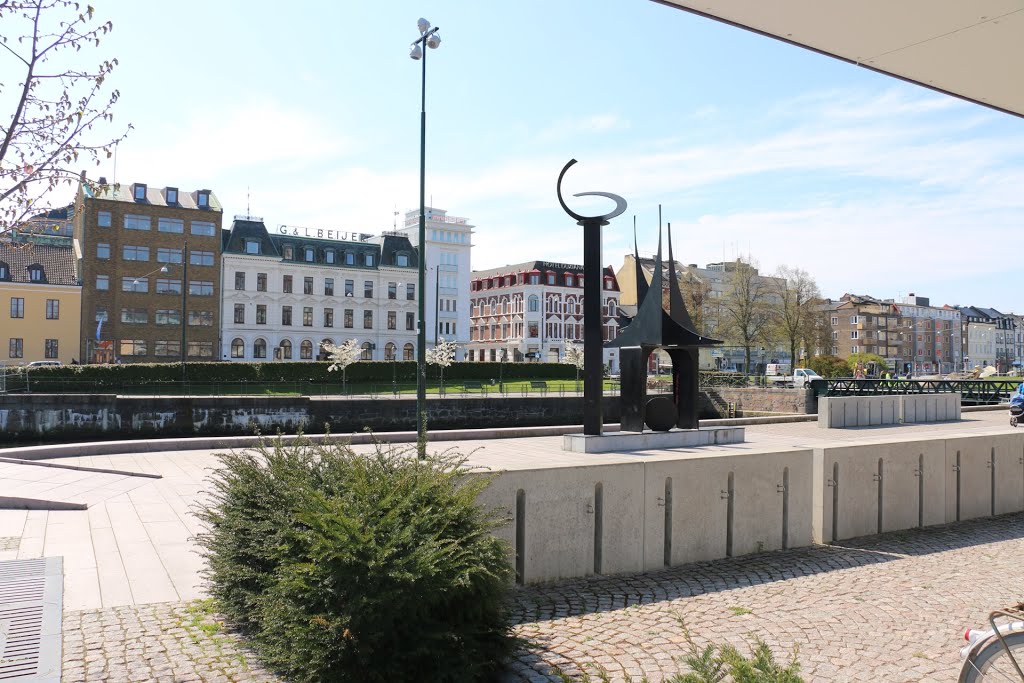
[[40, 303]]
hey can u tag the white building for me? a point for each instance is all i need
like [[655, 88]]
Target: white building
[[530, 311], [448, 267], [287, 291]]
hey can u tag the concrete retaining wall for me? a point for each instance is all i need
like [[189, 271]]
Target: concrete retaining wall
[[838, 412]]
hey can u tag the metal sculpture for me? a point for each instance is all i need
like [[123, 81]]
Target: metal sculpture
[[593, 349]]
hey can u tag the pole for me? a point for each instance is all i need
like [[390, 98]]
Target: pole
[[184, 311], [593, 344], [437, 302], [421, 339]]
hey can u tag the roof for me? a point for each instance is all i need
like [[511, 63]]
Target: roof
[[155, 196], [971, 50], [58, 263]]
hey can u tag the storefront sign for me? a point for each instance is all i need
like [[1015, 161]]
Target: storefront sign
[[322, 234]]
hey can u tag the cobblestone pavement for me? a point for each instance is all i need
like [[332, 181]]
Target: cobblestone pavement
[[888, 608], [166, 642]]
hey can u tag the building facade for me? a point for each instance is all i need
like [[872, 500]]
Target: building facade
[[448, 255], [149, 260], [41, 298], [991, 338], [531, 311], [289, 290]]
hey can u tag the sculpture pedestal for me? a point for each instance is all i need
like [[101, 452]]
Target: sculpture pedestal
[[616, 442]]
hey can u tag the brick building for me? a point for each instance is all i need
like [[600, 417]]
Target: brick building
[[150, 266]]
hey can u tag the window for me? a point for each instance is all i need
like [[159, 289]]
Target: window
[[237, 348], [410, 291], [286, 285], [349, 287], [402, 260], [308, 254], [854, 320], [203, 199], [307, 285], [551, 278], [203, 229], [50, 348], [133, 347], [392, 320], [835, 320], [200, 258], [252, 246], [131, 253], [53, 309], [102, 251], [239, 280], [407, 352], [173, 225], [134, 316], [261, 317], [285, 349], [35, 273], [200, 288], [5, 271], [328, 317], [16, 348], [410, 321], [368, 259], [286, 315], [167, 347], [329, 256], [535, 279], [287, 252], [239, 314], [306, 350], [261, 282], [350, 258], [164, 255], [136, 223], [102, 282], [200, 318], [368, 289], [139, 192], [568, 281], [533, 330], [259, 349], [135, 284], [392, 290], [165, 286], [103, 219], [835, 335], [349, 313], [367, 353], [200, 349], [101, 313], [329, 286], [534, 304], [172, 196], [307, 316], [367, 320], [168, 316]]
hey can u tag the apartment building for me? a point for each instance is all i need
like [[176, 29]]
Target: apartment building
[[150, 265], [41, 299], [991, 338], [530, 311], [289, 290]]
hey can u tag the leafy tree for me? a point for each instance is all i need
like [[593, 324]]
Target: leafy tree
[[442, 355], [342, 356], [697, 297], [748, 317], [830, 366], [798, 295], [57, 104], [864, 359]]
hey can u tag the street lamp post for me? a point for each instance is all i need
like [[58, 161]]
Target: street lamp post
[[429, 38]]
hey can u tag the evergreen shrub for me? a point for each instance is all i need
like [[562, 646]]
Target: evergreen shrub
[[369, 567]]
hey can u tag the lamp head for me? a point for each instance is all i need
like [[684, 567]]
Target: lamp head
[[163, 268], [416, 52], [434, 41], [423, 25]]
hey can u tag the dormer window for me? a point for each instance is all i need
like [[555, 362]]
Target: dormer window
[[402, 260], [288, 252], [309, 254], [350, 258], [369, 260], [5, 271], [252, 246], [172, 196], [203, 199], [551, 278], [35, 273], [329, 256], [139, 192]]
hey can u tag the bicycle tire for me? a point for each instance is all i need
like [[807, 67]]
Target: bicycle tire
[[978, 667]]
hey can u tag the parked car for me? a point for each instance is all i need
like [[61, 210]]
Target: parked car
[[800, 378], [43, 363]]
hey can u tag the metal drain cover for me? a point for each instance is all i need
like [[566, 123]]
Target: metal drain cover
[[31, 596]]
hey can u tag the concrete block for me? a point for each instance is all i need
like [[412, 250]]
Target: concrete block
[[1008, 473], [621, 442], [969, 481]]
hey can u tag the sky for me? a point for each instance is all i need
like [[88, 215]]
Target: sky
[[308, 114]]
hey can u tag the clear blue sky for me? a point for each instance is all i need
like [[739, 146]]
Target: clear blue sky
[[751, 146]]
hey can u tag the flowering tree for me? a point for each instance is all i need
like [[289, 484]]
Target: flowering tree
[[342, 356], [574, 356], [56, 106], [442, 355]]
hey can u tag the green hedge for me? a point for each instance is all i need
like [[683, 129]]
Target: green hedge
[[114, 376]]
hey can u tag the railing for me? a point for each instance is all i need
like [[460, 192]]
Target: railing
[[972, 391]]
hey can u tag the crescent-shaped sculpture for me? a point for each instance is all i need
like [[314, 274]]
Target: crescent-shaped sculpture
[[620, 203]]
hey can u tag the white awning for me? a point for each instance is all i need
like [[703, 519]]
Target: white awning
[[972, 49]]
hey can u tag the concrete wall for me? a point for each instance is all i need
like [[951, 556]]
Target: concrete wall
[[837, 412], [755, 400]]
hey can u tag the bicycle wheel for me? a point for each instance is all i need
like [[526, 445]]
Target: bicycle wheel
[[991, 664]]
